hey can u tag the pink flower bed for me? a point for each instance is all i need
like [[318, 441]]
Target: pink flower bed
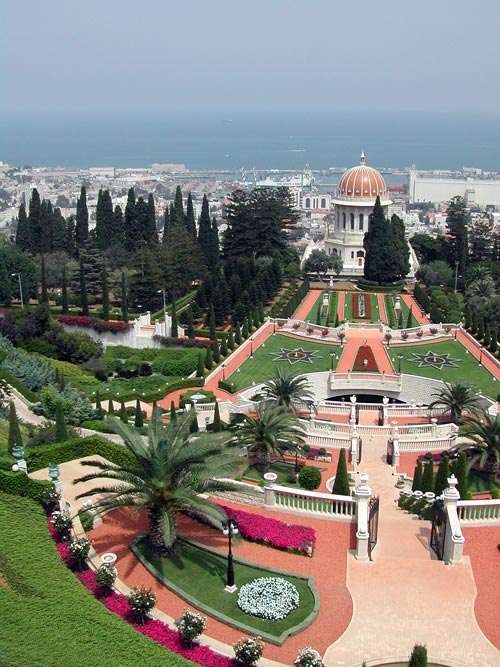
[[93, 323], [289, 537]]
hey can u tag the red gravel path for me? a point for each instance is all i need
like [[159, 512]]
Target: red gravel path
[[327, 566], [481, 544]]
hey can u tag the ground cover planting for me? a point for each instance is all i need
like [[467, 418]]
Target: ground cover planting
[[390, 312], [198, 575], [352, 307], [258, 369], [406, 311], [312, 315], [365, 360], [466, 365]]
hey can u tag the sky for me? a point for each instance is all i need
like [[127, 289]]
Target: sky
[[63, 57]]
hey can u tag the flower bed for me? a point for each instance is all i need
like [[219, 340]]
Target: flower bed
[[365, 354], [356, 306], [98, 325], [272, 598], [275, 533]]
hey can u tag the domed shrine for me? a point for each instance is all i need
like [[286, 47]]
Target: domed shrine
[[354, 200]]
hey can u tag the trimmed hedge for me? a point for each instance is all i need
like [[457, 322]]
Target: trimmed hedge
[[390, 312], [19, 484], [29, 395]]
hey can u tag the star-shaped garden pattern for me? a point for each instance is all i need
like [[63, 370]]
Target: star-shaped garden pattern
[[434, 359], [296, 355]]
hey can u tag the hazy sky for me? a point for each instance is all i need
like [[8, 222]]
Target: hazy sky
[[110, 56]]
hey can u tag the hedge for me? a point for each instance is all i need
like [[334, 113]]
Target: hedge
[[390, 312], [29, 395], [19, 484], [154, 394]]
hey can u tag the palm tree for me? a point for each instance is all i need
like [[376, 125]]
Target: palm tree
[[286, 387], [262, 435], [484, 431], [166, 475], [457, 397]]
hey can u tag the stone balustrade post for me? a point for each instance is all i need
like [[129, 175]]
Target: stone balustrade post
[[362, 493], [385, 413], [434, 427], [454, 540], [269, 495]]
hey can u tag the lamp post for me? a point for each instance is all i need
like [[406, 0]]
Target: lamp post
[[332, 357], [251, 347], [164, 311], [20, 287], [230, 528], [400, 358], [223, 371], [481, 350]]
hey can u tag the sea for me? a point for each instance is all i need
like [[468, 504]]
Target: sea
[[225, 140]]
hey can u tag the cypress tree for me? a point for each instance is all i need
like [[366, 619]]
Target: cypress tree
[[468, 317], [400, 320], [98, 406], [118, 225], [151, 233], [138, 420], [409, 321], [260, 310], [217, 424], [474, 323], [34, 222], [341, 484], [111, 409], [336, 320], [494, 341], [82, 218], [216, 352], [61, 381], [230, 340], [14, 437], [480, 329], [237, 334], [174, 330], [61, 430], [223, 346], [45, 295], [208, 359], [194, 426], [214, 259], [190, 220], [244, 330], [200, 369], [64, 302], [442, 476], [417, 477], [190, 325], [167, 226], [435, 314], [123, 412], [23, 229], [457, 220], [211, 323], [173, 413], [83, 290], [109, 224], [418, 656], [124, 299], [179, 217], [487, 335], [5, 284], [205, 231], [105, 294], [461, 474], [130, 232], [428, 476]]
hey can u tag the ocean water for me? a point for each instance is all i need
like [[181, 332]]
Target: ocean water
[[225, 140]]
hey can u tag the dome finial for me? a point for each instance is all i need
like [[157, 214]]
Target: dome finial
[[362, 159]]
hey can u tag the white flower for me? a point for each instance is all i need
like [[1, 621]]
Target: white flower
[[272, 598]]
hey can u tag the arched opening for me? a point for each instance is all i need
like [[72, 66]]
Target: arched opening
[[323, 202], [308, 202], [361, 222], [352, 221], [344, 221]]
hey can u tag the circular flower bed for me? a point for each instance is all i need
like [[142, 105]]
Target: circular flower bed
[[271, 598]]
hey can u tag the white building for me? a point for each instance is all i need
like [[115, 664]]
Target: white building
[[481, 191], [354, 200]]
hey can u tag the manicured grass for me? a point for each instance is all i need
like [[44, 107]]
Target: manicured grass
[[199, 575], [60, 622], [468, 367], [282, 468], [4, 436], [348, 312], [313, 313], [406, 310], [262, 366]]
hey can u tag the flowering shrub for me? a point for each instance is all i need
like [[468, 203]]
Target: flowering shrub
[[308, 657], [366, 311], [272, 598], [365, 354], [78, 550], [141, 600], [61, 522], [420, 333], [93, 323], [433, 330], [106, 575], [50, 497], [248, 649], [191, 625], [275, 533]]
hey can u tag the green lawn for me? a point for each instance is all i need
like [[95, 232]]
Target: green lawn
[[312, 315], [467, 367], [406, 310], [283, 469], [261, 367], [199, 575], [348, 314], [4, 436]]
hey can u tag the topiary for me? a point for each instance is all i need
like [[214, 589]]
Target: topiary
[[418, 656], [310, 478], [341, 484]]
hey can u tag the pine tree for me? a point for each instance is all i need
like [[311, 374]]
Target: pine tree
[[138, 420], [83, 290], [417, 477], [124, 299], [179, 217], [190, 220], [123, 412], [23, 229], [341, 484], [61, 430], [105, 294], [200, 369], [208, 359], [82, 218], [461, 475], [173, 413], [217, 424], [64, 297], [442, 476], [174, 330], [98, 406], [14, 437], [111, 409], [418, 656], [428, 476]]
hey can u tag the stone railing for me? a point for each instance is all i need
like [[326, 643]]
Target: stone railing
[[477, 511], [310, 502], [427, 445], [327, 441], [361, 380]]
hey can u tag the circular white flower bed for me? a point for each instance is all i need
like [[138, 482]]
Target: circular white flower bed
[[271, 598]]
